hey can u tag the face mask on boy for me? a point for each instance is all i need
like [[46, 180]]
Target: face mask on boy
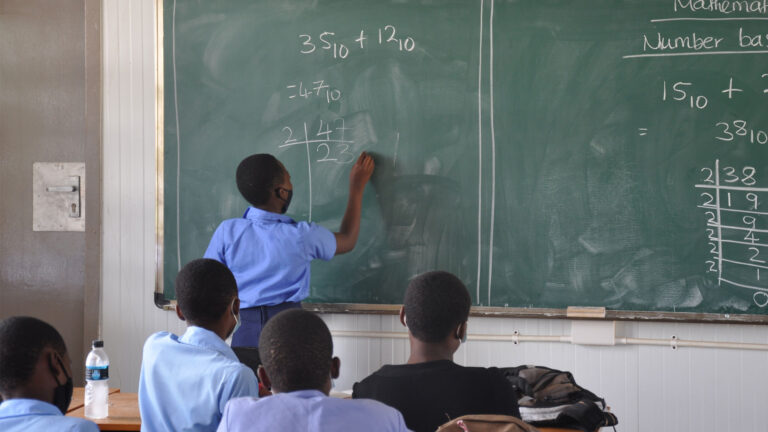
[[287, 201], [62, 394]]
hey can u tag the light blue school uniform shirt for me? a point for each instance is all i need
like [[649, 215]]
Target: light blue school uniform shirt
[[32, 415], [270, 255], [186, 381], [309, 411]]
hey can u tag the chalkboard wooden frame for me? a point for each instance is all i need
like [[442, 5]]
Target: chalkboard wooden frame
[[379, 309], [159, 295], [544, 313]]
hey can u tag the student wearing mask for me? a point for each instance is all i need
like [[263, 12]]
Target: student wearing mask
[[269, 253], [298, 363], [186, 381], [431, 389], [35, 379]]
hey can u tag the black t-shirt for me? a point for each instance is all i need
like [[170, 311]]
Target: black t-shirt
[[429, 394]]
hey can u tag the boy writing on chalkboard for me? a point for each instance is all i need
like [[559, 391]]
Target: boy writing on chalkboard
[[270, 253]]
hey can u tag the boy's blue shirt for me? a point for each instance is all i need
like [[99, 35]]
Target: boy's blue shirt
[[186, 381], [30, 415], [309, 411], [270, 255]]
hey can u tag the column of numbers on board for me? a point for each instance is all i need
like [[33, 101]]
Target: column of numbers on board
[[735, 206]]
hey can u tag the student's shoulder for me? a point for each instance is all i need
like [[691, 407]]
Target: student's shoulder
[[159, 339], [369, 405], [377, 412], [74, 424], [304, 227], [233, 224], [162, 336], [242, 404], [492, 378], [384, 372], [239, 372], [489, 372]]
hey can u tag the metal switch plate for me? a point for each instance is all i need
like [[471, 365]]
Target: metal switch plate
[[58, 196]]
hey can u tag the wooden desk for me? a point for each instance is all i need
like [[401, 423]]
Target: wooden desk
[[123, 413], [78, 397]]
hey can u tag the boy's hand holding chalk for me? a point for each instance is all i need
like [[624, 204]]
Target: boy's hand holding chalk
[[350, 224]]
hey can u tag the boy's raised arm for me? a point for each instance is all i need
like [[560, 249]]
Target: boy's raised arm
[[350, 224]]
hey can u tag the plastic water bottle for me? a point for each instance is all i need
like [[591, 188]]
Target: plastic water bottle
[[97, 382]]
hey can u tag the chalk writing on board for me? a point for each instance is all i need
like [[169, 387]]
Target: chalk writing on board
[[690, 94], [724, 7], [316, 89], [737, 228], [333, 44], [327, 143], [679, 91], [732, 130], [710, 40]]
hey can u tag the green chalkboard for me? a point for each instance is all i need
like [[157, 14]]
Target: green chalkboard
[[549, 153]]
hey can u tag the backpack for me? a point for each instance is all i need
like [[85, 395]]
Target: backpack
[[486, 423], [550, 397]]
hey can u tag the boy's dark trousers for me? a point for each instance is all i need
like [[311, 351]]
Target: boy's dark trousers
[[245, 341]]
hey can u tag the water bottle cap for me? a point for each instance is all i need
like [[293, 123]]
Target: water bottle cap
[[98, 344]]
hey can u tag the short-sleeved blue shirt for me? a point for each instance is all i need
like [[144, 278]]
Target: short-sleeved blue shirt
[[270, 255], [309, 410], [186, 381], [29, 415]]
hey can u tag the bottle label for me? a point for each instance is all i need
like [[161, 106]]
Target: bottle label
[[96, 373]]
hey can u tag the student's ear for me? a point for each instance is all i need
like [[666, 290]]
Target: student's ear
[[263, 377], [461, 331], [55, 362], [236, 306], [179, 313], [335, 367], [402, 316]]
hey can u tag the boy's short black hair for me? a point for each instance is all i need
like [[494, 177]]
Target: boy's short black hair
[[22, 340], [257, 177], [435, 304], [204, 290], [296, 349]]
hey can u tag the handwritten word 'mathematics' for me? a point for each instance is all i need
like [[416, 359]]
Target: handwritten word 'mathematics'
[[723, 6]]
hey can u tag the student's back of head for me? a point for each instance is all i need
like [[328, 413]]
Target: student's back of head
[[296, 350], [435, 304], [35, 378], [205, 289], [257, 176]]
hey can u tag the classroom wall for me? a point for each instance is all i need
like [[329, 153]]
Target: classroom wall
[[50, 105], [650, 388]]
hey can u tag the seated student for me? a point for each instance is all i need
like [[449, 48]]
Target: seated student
[[270, 253], [431, 389], [35, 379], [186, 381], [296, 350]]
